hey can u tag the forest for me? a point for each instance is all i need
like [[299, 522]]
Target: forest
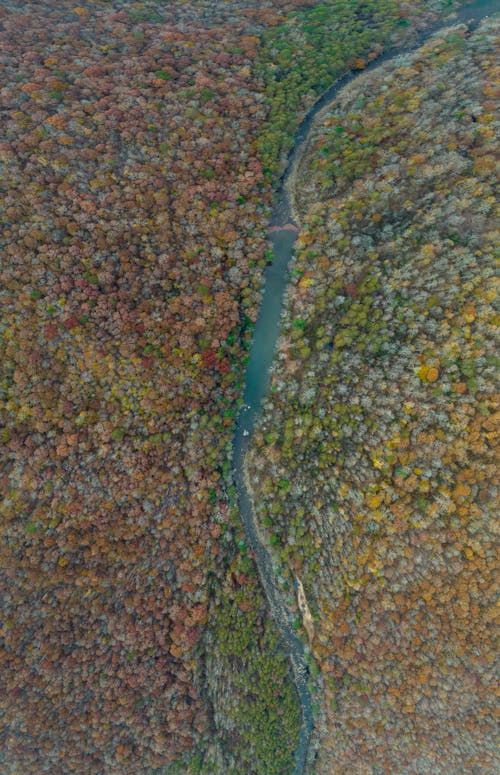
[[375, 461], [141, 146]]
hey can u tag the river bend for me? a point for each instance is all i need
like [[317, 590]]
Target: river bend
[[283, 233]]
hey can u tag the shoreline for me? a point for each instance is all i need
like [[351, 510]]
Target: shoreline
[[285, 212]]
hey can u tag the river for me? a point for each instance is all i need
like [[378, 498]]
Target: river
[[265, 336]]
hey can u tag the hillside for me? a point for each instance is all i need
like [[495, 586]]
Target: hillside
[[141, 145], [374, 463]]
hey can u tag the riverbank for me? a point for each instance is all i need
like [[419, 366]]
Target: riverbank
[[372, 466], [286, 211], [292, 180]]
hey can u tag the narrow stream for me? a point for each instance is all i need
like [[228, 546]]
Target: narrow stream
[[265, 337]]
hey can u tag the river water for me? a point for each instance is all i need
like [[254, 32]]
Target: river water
[[265, 336]]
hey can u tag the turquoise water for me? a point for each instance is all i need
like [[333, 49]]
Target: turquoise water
[[266, 329]]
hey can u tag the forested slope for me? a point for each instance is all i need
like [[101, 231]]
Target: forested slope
[[140, 144], [374, 464]]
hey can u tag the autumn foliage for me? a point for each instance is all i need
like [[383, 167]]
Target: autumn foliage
[[134, 203], [129, 196], [375, 462]]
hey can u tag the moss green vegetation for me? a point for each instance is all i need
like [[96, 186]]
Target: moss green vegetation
[[256, 718], [254, 686], [267, 717], [301, 57]]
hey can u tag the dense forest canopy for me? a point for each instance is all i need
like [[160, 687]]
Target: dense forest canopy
[[140, 146], [375, 462]]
